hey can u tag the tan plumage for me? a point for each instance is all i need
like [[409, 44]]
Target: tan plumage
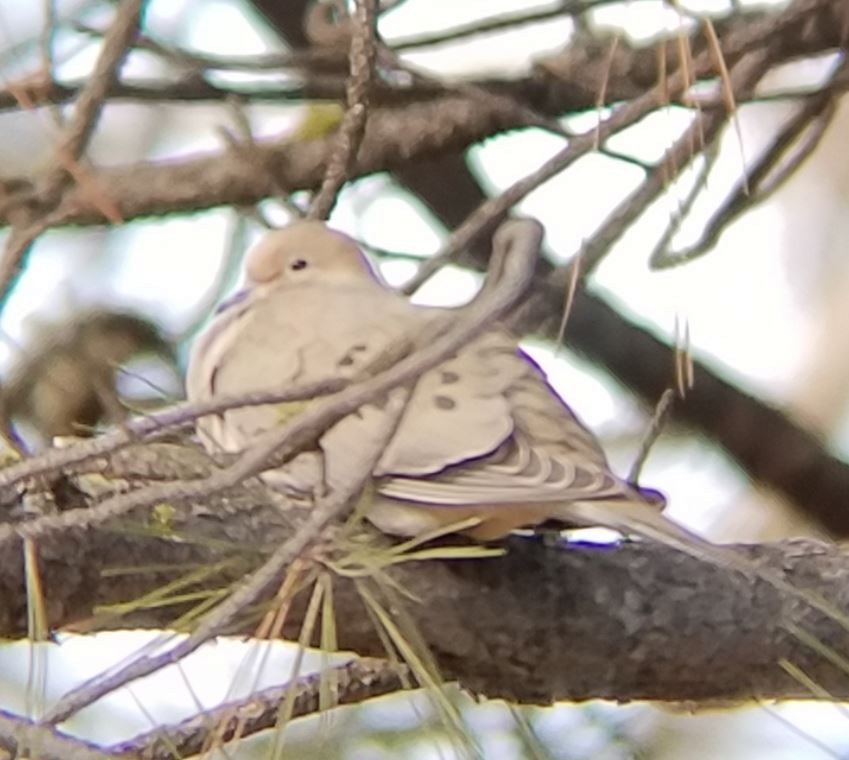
[[483, 435]]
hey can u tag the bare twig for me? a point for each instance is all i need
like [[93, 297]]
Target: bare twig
[[136, 430], [72, 144], [116, 46], [658, 420], [354, 682], [253, 587], [499, 23], [48, 36], [186, 89], [683, 205], [18, 245], [705, 129], [709, 123], [362, 56], [308, 58], [489, 212], [21, 737], [761, 179]]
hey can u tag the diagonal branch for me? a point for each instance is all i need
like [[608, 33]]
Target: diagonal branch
[[705, 129], [363, 53], [248, 591], [21, 737], [117, 44], [746, 75], [354, 682]]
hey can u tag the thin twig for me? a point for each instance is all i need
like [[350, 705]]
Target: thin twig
[[18, 245], [117, 44], [72, 143], [245, 145], [189, 88], [489, 212], [762, 179], [22, 737], [658, 420], [138, 429], [253, 587], [308, 58], [362, 57], [671, 88], [705, 129], [505, 22], [354, 682], [684, 205], [197, 62], [46, 43]]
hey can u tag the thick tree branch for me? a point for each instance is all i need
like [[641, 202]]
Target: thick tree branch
[[542, 623], [444, 123], [206, 180]]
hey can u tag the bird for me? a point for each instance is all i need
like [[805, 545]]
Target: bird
[[66, 382], [484, 441]]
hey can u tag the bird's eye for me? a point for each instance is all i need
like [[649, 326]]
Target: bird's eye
[[298, 264]]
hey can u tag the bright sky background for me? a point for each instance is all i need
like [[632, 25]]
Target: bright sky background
[[741, 302]]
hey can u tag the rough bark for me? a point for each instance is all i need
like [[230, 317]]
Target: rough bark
[[543, 622]]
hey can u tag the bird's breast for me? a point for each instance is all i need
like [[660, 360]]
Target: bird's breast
[[310, 334]]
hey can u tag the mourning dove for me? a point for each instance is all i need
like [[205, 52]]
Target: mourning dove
[[483, 436]]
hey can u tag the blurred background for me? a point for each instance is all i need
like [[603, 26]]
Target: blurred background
[[99, 321]]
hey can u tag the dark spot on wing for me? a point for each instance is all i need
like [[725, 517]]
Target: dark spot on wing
[[444, 402], [346, 361], [212, 377], [448, 377], [381, 401]]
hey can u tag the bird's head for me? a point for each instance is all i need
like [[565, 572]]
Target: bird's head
[[306, 252]]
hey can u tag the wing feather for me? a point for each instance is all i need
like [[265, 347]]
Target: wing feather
[[545, 454]]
